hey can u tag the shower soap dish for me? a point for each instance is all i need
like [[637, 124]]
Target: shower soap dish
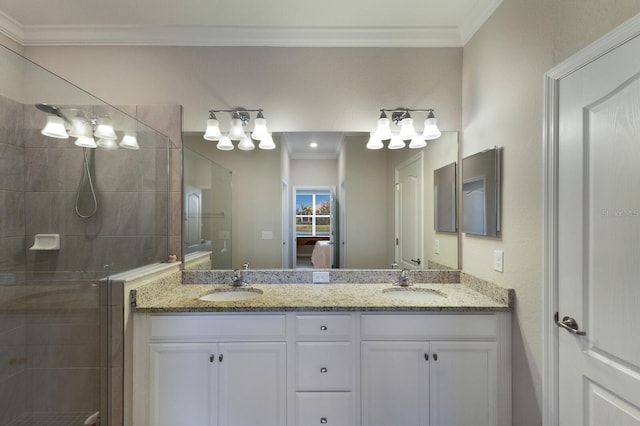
[[46, 242]]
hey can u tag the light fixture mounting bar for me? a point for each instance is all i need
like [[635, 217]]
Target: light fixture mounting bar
[[241, 113], [398, 114]]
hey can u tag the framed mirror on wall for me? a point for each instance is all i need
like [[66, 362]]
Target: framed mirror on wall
[[263, 184], [481, 193]]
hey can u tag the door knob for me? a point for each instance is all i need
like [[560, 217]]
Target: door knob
[[569, 324]]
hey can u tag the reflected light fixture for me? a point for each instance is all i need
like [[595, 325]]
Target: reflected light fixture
[[402, 117], [85, 130], [240, 117]]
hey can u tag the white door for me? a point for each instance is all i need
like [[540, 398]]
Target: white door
[[599, 241], [463, 396], [409, 213], [183, 384], [395, 383], [252, 384], [192, 215]]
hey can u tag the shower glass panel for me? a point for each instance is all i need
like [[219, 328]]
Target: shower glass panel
[[57, 364]]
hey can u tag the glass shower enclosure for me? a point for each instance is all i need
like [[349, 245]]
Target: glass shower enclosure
[[70, 217]]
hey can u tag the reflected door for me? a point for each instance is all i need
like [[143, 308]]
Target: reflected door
[[409, 213], [599, 241], [192, 216]]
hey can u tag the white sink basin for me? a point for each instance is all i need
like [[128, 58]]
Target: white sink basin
[[232, 294], [414, 294]]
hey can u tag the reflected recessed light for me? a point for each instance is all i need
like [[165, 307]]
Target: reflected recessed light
[[313, 145]]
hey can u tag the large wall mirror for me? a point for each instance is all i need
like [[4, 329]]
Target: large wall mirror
[[257, 218]]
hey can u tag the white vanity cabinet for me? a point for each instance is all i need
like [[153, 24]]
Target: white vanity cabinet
[[435, 370], [211, 370], [325, 369]]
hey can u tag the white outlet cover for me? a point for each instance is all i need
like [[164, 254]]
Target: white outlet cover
[[436, 246], [321, 277], [498, 260]]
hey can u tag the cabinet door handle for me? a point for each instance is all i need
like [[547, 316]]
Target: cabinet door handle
[[212, 358], [323, 327], [426, 356], [435, 357], [220, 358], [323, 370], [323, 420]]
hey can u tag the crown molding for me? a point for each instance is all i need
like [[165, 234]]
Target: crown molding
[[477, 20], [11, 28], [238, 36]]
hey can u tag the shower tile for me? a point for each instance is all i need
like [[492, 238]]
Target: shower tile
[[12, 253], [80, 390], [45, 212], [153, 249], [119, 213], [153, 216], [166, 119], [12, 352], [52, 169], [154, 168], [11, 214], [176, 170], [81, 355], [13, 394], [118, 170], [11, 121], [11, 167], [175, 213]]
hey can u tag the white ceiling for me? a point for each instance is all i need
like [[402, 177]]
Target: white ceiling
[[299, 144], [329, 23]]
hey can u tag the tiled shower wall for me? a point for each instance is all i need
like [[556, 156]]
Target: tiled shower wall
[[13, 359], [51, 352]]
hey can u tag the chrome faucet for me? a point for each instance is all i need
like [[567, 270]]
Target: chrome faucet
[[403, 281], [237, 278]]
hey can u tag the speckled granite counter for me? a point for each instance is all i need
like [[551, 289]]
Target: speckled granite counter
[[177, 297]]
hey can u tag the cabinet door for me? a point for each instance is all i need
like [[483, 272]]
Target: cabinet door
[[182, 384], [252, 384], [395, 383], [463, 384]]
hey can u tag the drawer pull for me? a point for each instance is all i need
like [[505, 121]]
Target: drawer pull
[[323, 327], [323, 420], [435, 357], [323, 370], [212, 358], [220, 358], [426, 357]]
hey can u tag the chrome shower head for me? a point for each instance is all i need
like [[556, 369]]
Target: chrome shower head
[[53, 110]]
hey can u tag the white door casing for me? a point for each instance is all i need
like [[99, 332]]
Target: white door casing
[[592, 234], [409, 206]]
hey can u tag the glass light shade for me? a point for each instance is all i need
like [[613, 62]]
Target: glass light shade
[[374, 141], [104, 130], [213, 130], [417, 142], [225, 144], [80, 127], [236, 132], [55, 128], [129, 142], [396, 142], [431, 130], [86, 142], [267, 142], [259, 129], [109, 144], [407, 132], [246, 144], [383, 131]]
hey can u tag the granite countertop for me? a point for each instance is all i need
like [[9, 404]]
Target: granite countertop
[[176, 297]]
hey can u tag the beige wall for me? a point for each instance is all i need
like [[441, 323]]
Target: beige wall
[[504, 64], [300, 89]]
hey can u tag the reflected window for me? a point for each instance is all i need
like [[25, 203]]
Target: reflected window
[[313, 213]]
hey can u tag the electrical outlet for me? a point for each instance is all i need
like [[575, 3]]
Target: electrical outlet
[[267, 235], [498, 260], [436, 246], [321, 277]]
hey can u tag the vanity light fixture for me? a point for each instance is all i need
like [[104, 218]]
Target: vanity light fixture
[[402, 117], [239, 118]]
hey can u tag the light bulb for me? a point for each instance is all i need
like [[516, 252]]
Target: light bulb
[[225, 144], [374, 141]]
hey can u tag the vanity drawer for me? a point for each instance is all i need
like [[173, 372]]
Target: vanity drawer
[[324, 366], [324, 327], [319, 408], [429, 326], [228, 327]]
